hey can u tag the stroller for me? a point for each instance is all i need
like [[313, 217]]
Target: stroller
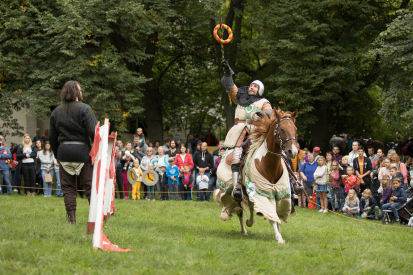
[[405, 213]]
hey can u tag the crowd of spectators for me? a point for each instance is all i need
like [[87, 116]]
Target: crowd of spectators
[[355, 184], [30, 168]]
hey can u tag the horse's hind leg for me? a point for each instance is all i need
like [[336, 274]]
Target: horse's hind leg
[[241, 221], [251, 220], [278, 236]]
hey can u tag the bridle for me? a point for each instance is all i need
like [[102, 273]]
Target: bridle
[[277, 133]]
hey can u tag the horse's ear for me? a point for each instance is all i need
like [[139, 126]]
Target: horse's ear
[[277, 114], [294, 115]]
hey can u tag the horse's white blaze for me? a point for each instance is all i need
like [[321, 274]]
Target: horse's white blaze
[[295, 150], [262, 151]]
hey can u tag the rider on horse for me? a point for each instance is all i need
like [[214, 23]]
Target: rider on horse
[[249, 101]]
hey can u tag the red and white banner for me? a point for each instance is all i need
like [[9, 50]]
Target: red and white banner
[[102, 197]]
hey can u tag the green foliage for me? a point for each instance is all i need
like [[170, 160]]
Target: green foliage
[[187, 237], [45, 43], [395, 48]]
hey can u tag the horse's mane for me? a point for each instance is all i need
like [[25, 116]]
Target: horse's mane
[[262, 126]]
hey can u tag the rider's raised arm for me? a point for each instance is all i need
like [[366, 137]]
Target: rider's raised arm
[[228, 82]]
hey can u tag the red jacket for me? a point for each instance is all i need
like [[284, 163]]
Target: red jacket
[[181, 164]]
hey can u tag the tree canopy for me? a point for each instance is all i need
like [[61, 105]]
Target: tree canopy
[[345, 65]]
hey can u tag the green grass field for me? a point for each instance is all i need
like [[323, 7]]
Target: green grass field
[[186, 237]]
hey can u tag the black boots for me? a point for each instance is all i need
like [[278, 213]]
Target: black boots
[[71, 216]]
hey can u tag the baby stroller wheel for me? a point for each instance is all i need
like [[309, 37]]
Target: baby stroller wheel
[[388, 218]]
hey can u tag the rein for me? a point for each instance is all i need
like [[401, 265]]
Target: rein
[[277, 133]]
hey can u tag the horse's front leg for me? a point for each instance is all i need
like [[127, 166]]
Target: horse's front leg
[[241, 221], [251, 220], [278, 236]]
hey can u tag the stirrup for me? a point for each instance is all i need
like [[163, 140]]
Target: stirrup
[[237, 194]]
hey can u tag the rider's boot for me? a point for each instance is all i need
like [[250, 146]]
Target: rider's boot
[[235, 166]]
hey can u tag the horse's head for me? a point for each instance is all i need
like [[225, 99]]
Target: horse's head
[[285, 131]]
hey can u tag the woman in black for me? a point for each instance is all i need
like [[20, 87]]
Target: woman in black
[[26, 155]]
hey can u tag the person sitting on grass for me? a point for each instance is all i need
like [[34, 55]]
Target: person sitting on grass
[[398, 198], [172, 172], [320, 177], [151, 189], [136, 194], [352, 204], [202, 181], [351, 181], [367, 205], [386, 190], [185, 180]]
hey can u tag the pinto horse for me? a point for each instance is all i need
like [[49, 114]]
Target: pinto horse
[[265, 177]]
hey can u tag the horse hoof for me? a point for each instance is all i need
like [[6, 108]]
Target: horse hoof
[[244, 233], [249, 223], [281, 241]]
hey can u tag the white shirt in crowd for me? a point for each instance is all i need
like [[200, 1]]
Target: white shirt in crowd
[[202, 182], [320, 175], [353, 155], [27, 150]]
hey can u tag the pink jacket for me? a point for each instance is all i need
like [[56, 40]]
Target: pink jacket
[[403, 170], [335, 179]]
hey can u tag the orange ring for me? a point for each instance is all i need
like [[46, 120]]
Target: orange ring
[[218, 38]]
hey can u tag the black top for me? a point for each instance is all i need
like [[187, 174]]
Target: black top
[[172, 155], [367, 167], [72, 121], [244, 99], [341, 173], [208, 161]]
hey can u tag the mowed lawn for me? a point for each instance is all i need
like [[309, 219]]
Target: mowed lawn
[[187, 237]]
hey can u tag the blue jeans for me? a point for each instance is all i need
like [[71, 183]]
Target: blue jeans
[[6, 181], [47, 185], [342, 191], [59, 192], [151, 191], [405, 186], [211, 185], [198, 194], [393, 208]]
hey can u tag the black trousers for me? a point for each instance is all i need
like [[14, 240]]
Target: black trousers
[[119, 181], [29, 173], [39, 181], [69, 184]]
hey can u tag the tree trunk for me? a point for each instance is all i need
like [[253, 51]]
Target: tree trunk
[[152, 98], [319, 130]]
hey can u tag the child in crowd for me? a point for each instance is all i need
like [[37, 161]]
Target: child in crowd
[[151, 189], [172, 172], [394, 173], [398, 198], [351, 206], [136, 195], [202, 181], [141, 135], [185, 180], [302, 202], [343, 175], [386, 189], [351, 181], [163, 183], [320, 177], [335, 186], [367, 205]]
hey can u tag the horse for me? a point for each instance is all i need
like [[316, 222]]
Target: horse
[[265, 179]]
